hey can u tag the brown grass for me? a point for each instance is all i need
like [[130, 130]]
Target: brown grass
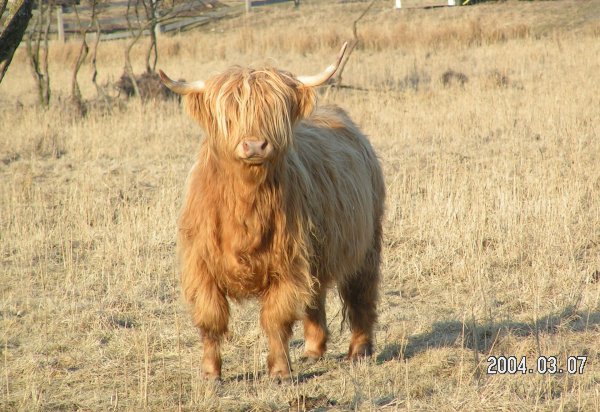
[[492, 240]]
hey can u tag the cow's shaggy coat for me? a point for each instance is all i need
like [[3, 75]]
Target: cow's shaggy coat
[[284, 201]]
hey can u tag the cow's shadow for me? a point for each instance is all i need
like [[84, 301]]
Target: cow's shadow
[[262, 375], [480, 337]]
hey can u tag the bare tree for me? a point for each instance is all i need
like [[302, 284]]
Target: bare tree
[[151, 8], [149, 21], [83, 52], [10, 38], [38, 37], [134, 38]]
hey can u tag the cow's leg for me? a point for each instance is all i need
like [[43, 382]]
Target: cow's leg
[[359, 293], [210, 313], [315, 327], [280, 308]]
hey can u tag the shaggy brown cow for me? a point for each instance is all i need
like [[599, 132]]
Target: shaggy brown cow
[[283, 201]]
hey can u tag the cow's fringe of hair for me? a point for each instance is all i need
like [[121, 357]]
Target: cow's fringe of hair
[[248, 102]]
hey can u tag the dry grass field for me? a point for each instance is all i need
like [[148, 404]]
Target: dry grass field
[[492, 229]]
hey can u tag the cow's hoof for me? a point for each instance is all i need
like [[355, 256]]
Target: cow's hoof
[[211, 376], [360, 352], [310, 357], [280, 375], [281, 379]]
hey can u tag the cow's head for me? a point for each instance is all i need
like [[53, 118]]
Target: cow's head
[[249, 114]]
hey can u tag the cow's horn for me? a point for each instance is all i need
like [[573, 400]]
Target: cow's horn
[[181, 87], [326, 74]]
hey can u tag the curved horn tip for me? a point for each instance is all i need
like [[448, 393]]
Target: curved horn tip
[[163, 76], [181, 87], [344, 47], [326, 74]]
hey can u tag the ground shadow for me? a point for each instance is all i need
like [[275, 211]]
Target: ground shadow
[[296, 378], [480, 337], [246, 376]]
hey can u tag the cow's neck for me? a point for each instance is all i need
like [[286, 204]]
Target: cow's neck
[[251, 198], [249, 184]]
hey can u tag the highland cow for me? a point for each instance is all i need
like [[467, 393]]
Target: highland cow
[[284, 201]]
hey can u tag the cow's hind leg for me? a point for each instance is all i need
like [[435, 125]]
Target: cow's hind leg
[[315, 327], [359, 294]]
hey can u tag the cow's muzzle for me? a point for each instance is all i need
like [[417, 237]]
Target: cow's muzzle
[[254, 151]]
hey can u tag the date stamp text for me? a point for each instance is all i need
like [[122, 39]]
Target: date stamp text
[[512, 365]]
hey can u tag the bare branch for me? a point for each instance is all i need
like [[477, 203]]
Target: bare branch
[[95, 52], [337, 79]]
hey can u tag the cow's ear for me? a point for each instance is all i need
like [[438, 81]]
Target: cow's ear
[[307, 100], [196, 107]]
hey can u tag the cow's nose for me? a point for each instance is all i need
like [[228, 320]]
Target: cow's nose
[[255, 148]]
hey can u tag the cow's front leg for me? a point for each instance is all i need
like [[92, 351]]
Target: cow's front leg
[[210, 312], [280, 309]]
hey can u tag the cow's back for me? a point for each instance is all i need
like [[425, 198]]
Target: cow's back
[[344, 187]]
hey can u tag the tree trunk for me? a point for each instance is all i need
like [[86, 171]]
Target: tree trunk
[[151, 7], [83, 52], [94, 54], [135, 37], [38, 35], [19, 16]]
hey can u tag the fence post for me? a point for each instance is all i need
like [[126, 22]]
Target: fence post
[[398, 4], [248, 6], [60, 25]]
